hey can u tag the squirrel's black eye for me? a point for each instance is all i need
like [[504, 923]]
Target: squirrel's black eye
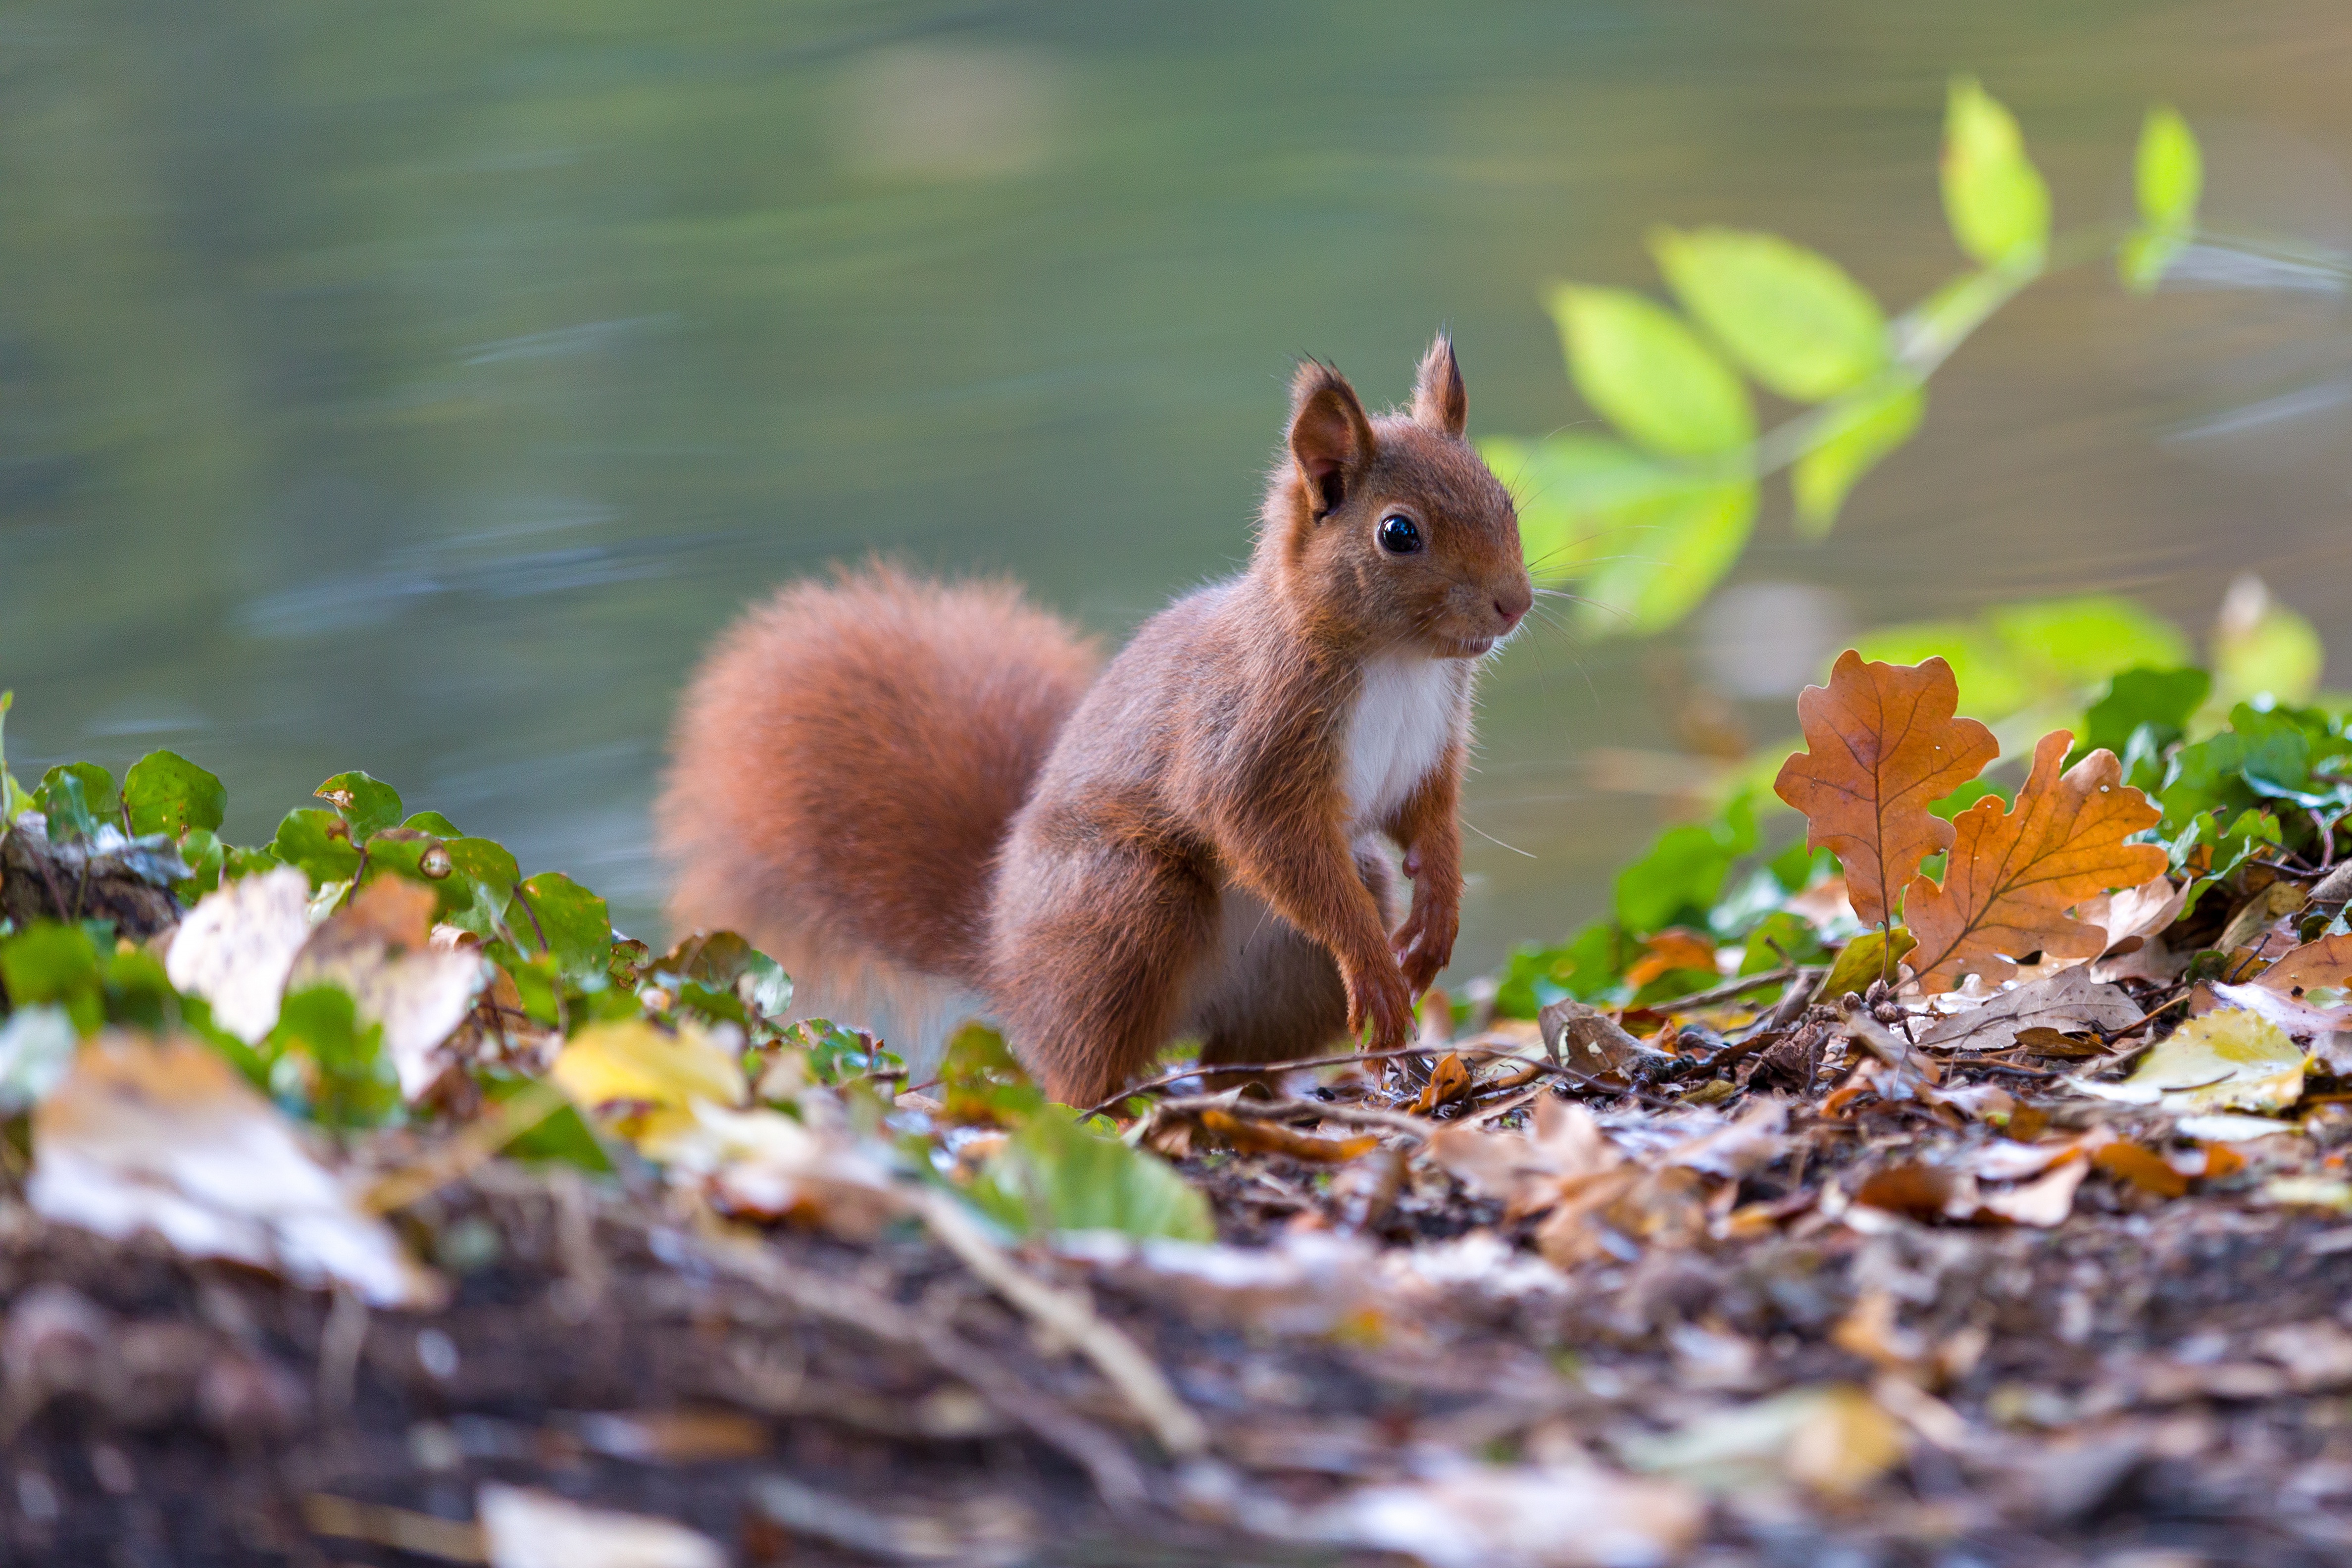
[[1400, 535]]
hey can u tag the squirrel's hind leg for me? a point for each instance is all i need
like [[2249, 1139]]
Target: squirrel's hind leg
[[1090, 956]]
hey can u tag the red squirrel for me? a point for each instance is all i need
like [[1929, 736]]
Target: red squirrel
[[918, 795]]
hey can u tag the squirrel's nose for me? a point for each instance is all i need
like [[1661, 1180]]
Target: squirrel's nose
[[1512, 603]]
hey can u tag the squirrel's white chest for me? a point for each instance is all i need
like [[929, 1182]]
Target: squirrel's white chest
[[1405, 715]]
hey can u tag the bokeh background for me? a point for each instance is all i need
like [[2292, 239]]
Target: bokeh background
[[418, 386]]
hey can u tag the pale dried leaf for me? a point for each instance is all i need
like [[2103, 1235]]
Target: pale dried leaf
[[2069, 1001], [1520, 1517], [168, 1138], [236, 946], [2044, 1202], [527, 1528]]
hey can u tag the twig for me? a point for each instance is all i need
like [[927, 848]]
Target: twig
[[1726, 992], [1070, 1313], [1281, 1109], [1202, 1069], [1097, 1451]]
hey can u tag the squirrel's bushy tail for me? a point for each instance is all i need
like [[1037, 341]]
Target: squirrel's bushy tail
[[843, 770]]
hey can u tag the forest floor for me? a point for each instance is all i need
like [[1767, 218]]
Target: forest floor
[[1757, 1333]]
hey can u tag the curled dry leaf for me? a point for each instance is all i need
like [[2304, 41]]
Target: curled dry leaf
[[2013, 875], [2288, 1011], [2067, 1001], [168, 1138], [2142, 911], [1249, 1136], [379, 949], [2322, 965], [1881, 744], [1585, 1039], [237, 945]]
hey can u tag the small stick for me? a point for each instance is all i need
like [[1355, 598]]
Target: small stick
[[1725, 992], [1278, 1110], [1071, 1315], [1199, 1070]]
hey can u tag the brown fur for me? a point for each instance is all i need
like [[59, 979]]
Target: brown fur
[[877, 776]]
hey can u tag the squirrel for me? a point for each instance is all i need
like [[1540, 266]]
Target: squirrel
[[920, 796]]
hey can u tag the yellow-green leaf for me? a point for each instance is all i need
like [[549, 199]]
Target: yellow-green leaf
[[1669, 552], [1996, 200], [1791, 317], [2228, 1059], [1642, 366], [2169, 170], [632, 1062], [1856, 435]]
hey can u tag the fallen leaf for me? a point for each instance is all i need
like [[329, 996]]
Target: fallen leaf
[[2287, 1010], [166, 1137], [236, 946], [1519, 1517], [763, 1165], [1587, 1040], [379, 949], [526, 1528], [2227, 1059], [2143, 1168], [2068, 999], [2012, 875], [2043, 1202], [1873, 955], [1676, 947], [2252, 922], [632, 1062], [2217, 1130], [1739, 1148], [2322, 965], [1527, 1169], [1881, 744], [2142, 911], [1249, 1136], [1833, 1437], [1448, 1080]]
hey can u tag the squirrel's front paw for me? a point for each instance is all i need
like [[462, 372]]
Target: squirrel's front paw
[[1425, 943], [1378, 995]]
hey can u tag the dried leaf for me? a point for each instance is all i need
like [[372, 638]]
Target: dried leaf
[[1834, 1437], [2044, 1202], [527, 1528], [2142, 911], [1253, 1137], [2228, 1059], [1518, 1516], [168, 1138], [1448, 1080], [1587, 1040], [236, 946], [1674, 948], [2297, 1017], [2143, 1168], [2069, 1000], [2014, 874], [2324, 964], [1881, 744], [379, 951]]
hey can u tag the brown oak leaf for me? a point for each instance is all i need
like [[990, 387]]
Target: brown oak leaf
[[1881, 744], [2013, 875]]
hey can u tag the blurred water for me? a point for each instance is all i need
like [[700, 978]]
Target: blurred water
[[416, 386]]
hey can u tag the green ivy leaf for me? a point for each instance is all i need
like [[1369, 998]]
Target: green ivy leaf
[[2169, 171], [1678, 879], [13, 798], [76, 797], [48, 962], [570, 921], [1996, 200], [1639, 364], [319, 843], [484, 866], [168, 794], [322, 1054], [1056, 1174], [1856, 435], [1791, 317], [433, 822], [369, 805], [2161, 699]]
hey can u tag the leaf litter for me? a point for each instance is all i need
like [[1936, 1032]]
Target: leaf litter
[[441, 1222]]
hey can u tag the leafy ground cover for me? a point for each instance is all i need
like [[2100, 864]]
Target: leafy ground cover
[[1965, 1181]]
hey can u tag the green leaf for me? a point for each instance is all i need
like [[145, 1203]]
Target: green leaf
[[77, 797], [1587, 966], [1863, 960], [1678, 879], [2169, 170], [168, 794], [1780, 938], [1056, 1174], [324, 1056], [319, 843], [1995, 198], [2163, 699], [1856, 434], [563, 1137], [2262, 648], [568, 922], [981, 1080], [1638, 363], [1791, 317], [433, 822], [369, 805], [13, 798], [48, 962], [2041, 652], [484, 866], [1670, 553]]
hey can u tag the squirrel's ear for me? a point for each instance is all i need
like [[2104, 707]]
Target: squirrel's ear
[[1439, 401], [1330, 437]]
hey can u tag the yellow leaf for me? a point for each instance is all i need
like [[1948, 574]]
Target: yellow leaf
[[633, 1062], [2228, 1059]]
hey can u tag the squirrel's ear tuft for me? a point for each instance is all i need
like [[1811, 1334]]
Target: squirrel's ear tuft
[[1330, 437], [1439, 400]]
